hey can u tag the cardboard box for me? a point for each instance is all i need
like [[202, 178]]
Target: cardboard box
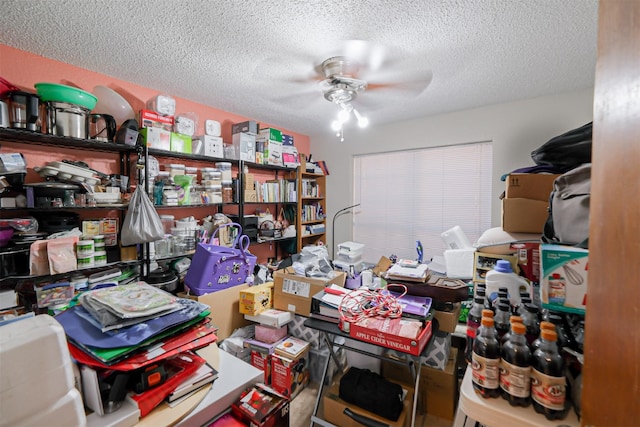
[[249, 181], [273, 153], [261, 406], [180, 143], [248, 126], [157, 138], [150, 119], [334, 410], [293, 293], [448, 320], [563, 281], [261, 357], [250, 196], [534, 186], [213, 145], [271, 134], [390, 340], [287, 140], [256, 299], [272, 317], [438, 388], [524, 215], [245, 145], [290, 157], [270, 334], [528, 259], [225, 309], [290, 376]]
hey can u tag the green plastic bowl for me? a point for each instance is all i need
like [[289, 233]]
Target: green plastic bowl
[[63, 93]]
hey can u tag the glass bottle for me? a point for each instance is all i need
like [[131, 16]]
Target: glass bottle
[[543, 325], [520, 309], [473, 322], [512, 319], [515, 369], [530, 320], [548, 383], [565, 339], [481, 292], [502, 319], [485, 362]]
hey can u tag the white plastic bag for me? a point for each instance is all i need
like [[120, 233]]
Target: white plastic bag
[[142, 223]]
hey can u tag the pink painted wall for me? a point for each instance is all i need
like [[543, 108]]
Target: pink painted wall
[[24, 69]]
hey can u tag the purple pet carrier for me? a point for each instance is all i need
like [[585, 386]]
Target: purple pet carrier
[[214, 267]]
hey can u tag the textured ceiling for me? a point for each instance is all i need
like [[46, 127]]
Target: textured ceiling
[[254, 57]]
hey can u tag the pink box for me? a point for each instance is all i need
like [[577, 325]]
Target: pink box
[[269, 334]]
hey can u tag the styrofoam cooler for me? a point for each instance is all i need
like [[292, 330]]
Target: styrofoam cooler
[[36, 374]]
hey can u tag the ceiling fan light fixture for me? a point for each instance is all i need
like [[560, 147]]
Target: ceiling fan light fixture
[[363, 122]]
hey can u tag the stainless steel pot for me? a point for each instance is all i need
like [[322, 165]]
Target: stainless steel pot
[[64, 119]]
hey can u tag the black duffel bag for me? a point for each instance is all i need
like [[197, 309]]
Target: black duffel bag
[[372, 392], [567, 151]]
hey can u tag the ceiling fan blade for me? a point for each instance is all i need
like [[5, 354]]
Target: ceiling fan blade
[[414, 83]]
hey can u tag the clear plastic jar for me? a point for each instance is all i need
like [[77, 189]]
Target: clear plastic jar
[[225, 169], [227, 192]]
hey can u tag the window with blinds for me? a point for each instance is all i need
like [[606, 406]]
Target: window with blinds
[[413, 195]]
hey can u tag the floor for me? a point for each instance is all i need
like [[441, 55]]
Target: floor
[[302, 408]]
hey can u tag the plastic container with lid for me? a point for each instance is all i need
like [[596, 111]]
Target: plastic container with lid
[[167, 223], [502, 275], [176, 169], [225, 169], [100, 258]]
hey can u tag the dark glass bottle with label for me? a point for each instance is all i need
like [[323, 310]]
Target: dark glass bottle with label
[[482, 293], [515, 369], [565, 339], [512, 320], [473, 322], [485, 362], [520, 309], [543, 325], [530, 320], [548, 383], [502, 320]]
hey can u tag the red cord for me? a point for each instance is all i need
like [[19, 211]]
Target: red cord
[[361, 303]]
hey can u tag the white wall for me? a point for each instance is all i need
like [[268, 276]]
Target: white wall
[[515, 128]]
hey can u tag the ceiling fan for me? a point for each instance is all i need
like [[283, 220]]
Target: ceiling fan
[[362, 76]]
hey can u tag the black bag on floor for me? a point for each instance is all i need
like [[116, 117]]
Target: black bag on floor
[[372, 392], [566, 151]]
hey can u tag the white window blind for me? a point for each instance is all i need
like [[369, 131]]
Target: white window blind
[[413, 195]]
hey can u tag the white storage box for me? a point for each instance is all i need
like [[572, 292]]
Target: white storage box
[[459, 263], [36, 371]]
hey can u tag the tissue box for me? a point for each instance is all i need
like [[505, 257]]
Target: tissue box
[[270, 334], [563, 281], [459, 263]]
